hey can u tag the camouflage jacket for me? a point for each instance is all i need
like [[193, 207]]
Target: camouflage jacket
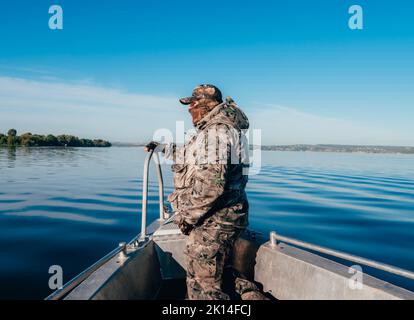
[[210, 169]]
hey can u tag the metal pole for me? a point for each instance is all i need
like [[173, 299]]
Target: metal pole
[[145, 197], [160, 186], [345, 256]]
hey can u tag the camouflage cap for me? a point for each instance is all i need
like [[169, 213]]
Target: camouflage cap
[[204, 91]]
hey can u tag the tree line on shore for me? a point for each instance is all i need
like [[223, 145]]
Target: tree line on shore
[[36, 140]]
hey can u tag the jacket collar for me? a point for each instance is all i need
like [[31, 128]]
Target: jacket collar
[[209, 116]]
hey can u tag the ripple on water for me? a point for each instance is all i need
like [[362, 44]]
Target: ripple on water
[[71, 206]]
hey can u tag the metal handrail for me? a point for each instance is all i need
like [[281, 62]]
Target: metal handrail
[[69, 286], [163, 214], [342, 255]]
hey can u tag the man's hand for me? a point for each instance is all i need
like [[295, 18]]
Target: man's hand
[[184, 226], [154, 146]]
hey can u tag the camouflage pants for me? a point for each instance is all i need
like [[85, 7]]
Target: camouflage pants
[[208, 249]]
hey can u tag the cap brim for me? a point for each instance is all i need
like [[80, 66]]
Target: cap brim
[[187, 100]]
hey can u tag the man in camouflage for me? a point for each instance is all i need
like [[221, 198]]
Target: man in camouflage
[[209, 198]]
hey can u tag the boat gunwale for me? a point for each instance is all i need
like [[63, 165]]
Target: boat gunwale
[[135, 244]]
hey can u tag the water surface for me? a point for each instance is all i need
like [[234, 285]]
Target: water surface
[[69, 207]]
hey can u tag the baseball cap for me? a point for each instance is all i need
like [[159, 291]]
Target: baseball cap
[[204, 91]]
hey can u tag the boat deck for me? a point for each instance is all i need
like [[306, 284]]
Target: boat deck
[[168, 229]]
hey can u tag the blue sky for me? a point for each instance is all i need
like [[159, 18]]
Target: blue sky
[[117, 68]]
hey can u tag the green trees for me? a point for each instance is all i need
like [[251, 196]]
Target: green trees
[[51, 140], [101, 143], [25, 139], [12, 137], [69, 141], [34, 140], [3, 140]]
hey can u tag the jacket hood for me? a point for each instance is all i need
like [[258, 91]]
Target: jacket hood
[[227, 113]]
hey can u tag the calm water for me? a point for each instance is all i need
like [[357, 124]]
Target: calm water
[[71, 206]]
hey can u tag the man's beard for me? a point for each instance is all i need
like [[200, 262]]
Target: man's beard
[[199, 111], [197, 114]]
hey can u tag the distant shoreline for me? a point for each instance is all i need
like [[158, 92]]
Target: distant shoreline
[[342, 148], [264, 148], [12, 139], [316, 148]]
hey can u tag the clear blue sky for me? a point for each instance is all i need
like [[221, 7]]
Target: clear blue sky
[[296, 68]]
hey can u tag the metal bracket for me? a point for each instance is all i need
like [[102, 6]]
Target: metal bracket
[[273, 239]]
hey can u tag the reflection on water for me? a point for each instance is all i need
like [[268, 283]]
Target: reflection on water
[[71, 206], [11, 156]]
